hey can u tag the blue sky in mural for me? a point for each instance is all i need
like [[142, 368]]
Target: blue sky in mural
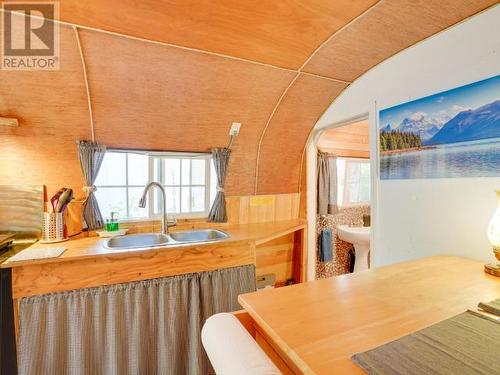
[[436, 110]]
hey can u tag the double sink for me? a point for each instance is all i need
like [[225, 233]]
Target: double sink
[[144, 240]]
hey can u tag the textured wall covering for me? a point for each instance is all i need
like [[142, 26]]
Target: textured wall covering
[[347, 216], [184, 95], [52, 112]]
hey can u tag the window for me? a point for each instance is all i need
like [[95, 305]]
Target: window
[[189, 181], [353, 181]]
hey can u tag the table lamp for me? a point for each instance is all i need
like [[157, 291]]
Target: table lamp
[[494, 238]]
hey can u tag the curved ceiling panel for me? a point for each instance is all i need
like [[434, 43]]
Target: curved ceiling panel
[[52, 110], [278, 32], [387, 28], [151, 96], [286, 136]]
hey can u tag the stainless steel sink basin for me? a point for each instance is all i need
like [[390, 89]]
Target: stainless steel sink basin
[[133, 241], [201, 235], [144, 240]]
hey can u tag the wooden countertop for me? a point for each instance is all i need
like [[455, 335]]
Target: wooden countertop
[[319, 325], [93, 247]]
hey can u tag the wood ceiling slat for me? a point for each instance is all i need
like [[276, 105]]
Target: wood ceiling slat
[[278, 32], [285, 138], [157, 97], [389, 27]]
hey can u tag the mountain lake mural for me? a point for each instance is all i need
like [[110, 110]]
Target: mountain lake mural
[[455, 133]]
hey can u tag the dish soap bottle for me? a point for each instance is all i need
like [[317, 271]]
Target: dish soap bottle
[[112, 224]]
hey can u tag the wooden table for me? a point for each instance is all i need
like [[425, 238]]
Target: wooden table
[[315, 327]]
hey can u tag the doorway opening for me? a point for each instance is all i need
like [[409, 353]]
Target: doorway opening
[[344, 199]]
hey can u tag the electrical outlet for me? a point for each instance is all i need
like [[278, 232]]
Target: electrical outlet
[[235, 128]]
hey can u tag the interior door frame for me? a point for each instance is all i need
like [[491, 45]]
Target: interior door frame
[[311, 181]]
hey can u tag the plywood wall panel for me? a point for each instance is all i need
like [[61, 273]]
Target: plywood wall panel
[[157, 97], [286, 136], [52, 110], [387, 28], [279, 32]]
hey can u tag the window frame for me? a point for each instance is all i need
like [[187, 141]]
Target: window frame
[[345, 192], [161, 168], [153, 212]]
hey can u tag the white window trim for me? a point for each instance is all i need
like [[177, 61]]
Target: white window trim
[[152, 155]]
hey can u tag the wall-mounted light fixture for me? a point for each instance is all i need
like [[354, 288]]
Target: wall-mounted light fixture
[[494, 238], [9, 121]]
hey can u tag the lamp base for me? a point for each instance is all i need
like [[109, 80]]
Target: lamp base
[[492, 269]]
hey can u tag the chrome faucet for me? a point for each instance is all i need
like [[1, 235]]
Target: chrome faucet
[[165, 224]]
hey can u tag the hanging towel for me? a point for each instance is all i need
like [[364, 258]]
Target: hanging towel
[[326, 246]]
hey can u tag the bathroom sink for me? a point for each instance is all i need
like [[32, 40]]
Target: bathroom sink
[[136, 241], [354, 235], [133, 241], [202, 235], [360, 238]]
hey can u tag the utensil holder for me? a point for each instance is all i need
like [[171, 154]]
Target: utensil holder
[[53, 227]]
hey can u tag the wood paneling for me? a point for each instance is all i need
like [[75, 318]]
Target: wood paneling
[[276, 257], [386, 29], [279, 32], [157, 97], [52, 110], [41, 278], [285, 138], [285, 257], [317, 326], [262, 208], [348, 141]]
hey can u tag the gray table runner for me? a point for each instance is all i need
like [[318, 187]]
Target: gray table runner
[[492, 307], [468, 343]]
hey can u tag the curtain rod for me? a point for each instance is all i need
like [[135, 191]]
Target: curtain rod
[[158, 152]]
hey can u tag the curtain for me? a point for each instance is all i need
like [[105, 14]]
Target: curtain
[[145, 327], [327, 184], [91, 155], [218, 212]]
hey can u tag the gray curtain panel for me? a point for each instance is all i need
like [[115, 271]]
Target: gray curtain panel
[[218, 212], [327, 184], [147, 327], [91, 155]]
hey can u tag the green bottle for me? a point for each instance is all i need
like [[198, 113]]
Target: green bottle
[[112, 224]]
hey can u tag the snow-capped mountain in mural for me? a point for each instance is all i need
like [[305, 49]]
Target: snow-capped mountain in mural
[[420, 123], [471, 125]]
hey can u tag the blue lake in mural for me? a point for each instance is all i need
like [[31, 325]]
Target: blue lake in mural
[[479, 158]]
